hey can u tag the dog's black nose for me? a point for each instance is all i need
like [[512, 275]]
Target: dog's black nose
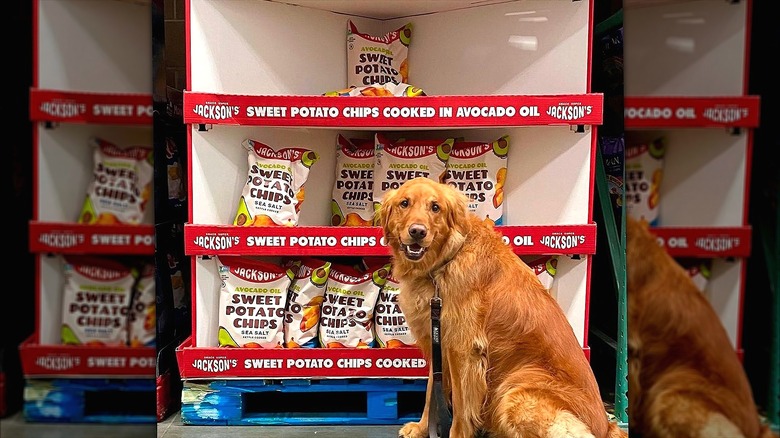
[[418, 231]]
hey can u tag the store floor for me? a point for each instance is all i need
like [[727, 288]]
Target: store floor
[[172, 427], [15, 426]]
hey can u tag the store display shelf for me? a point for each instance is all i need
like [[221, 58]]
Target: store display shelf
[[72, 238], [89, 361], [421, 112], [226, 363], [311, 363], [691, 112], [90, 107], [206, 240], [705, 242]]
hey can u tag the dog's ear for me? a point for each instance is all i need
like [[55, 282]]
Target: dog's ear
[[382, 215], [457, 209]]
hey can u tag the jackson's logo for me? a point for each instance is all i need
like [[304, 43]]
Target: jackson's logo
[[61, 240], [63, 109], [218, 111], [411, 151], [57, 363], [255, 275], [725, 114], [359, 152], [215, 242], [100, 273], [214, 365], [569, 111], [562, 241], [349, 279], [471, 151], [717, 244]]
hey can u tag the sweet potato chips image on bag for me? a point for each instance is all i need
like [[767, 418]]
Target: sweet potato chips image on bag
[[274, 189], [121, 186]]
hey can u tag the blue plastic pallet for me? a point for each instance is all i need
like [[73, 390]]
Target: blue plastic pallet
[[90, 401], [301, 402]]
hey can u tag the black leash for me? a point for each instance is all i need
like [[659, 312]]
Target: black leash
[[438, 413]]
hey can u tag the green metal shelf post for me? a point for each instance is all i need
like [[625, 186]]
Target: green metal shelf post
[[616, 238]]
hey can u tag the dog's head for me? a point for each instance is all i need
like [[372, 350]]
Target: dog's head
[[424, 223]]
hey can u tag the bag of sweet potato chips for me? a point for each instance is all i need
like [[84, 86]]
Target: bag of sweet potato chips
[[274, 189]]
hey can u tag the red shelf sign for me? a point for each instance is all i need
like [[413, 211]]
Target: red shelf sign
[[314, 363], [366, 241], [394, 112], [70, 238], [674, 112], [705, 241], [87, 361], [86, 107]]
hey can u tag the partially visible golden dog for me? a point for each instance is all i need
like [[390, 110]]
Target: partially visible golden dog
[[685, 380], [512, 366]]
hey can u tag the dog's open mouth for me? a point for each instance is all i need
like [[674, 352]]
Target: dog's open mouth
[[413, 251]]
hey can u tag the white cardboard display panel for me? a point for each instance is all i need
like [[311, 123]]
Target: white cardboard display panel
[[87, 46], [252, 47], [701, 43], [725, 280], [517, 47], [703, 47], [95, 46], [52, 281], [704, 176]]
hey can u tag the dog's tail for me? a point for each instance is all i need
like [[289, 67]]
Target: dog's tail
[[615, 431]]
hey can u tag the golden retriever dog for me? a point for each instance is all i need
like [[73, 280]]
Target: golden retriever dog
[[685, 379], [512, 365]]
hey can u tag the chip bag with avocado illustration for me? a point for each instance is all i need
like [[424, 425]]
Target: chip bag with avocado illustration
[[478, 169], [96, 300], [353, 189], [390, 328], [644, 171], [142, 328], [274, 189], [121, 185], [396, 162], [252, 299], [348, 308], [304, 303], [377, 59]]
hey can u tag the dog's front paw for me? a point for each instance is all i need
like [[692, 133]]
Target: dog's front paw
[[413, 430]]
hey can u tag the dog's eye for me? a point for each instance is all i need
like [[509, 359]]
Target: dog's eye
[[404, 203], [435, 207]]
